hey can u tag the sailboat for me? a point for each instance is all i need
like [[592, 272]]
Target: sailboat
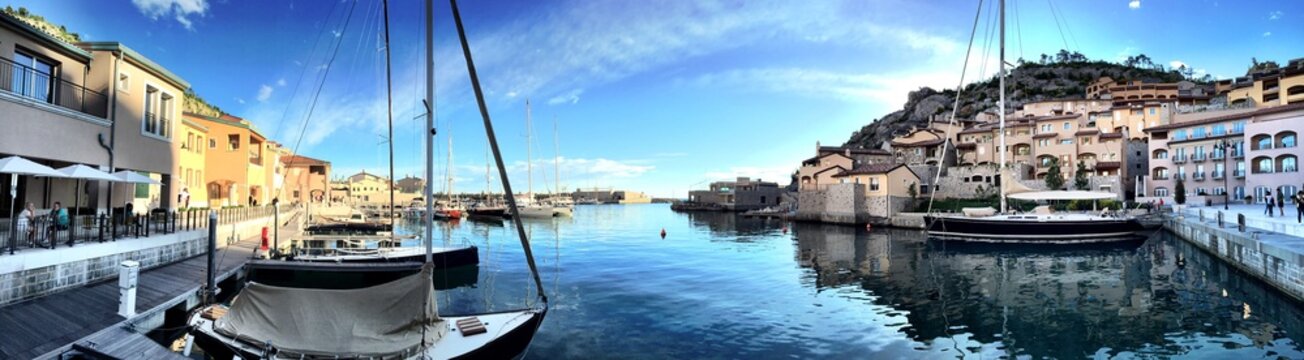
[[452, 209], [394, 320], [561, 204], [533, 207], [486, 208], [1040, 226]]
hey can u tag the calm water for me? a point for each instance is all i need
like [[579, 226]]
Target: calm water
[[720, 286]]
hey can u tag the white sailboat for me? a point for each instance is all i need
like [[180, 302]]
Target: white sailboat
[[532, 206], [1041, 226], [561, 203], [395, 320]]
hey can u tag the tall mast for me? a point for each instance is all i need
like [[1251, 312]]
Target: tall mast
[[449, 173], [529, 159], [1001, 168], [389, 108], [556, 157], [430, 128]]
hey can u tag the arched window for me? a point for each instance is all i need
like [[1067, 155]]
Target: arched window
[[1262, 165], [1286, 139], [1295, 90], [1160, 173], [1287, 163], [1261, 142], [1159, 154]]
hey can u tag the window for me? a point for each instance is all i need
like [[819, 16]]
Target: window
[[1263, 165], [1043, 142], [233, 142], [1107, 188], [1238, 127], [1286, 139], [1219, 130], [1045, 128], [190, 141], [1161, 192], [158, 113], [1066, 125], [1179, 135], [873, 185], [1219, 191], [1086, 141], [1287, 163], [1198, 133], [1238, 192], [1240, 168], [1160, 154], [212, 143], [199, 144], [33, 76], [1262, 142], [124, 82], [1152, 111], [1066, 141]]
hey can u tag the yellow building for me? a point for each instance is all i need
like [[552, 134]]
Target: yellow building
[[192, 141], [1268, 88]]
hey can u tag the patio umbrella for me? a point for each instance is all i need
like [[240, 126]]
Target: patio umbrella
[[80, 172], [20, 166], [134, 177]]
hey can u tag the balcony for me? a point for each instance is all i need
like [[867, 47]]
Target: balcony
[[23, 81], [1216, 156], [1161, 177], [1218, 175], [1179, 159], [1197, 158], [1239, 173], [1179, 177], [1198, 176], [1238, 154]]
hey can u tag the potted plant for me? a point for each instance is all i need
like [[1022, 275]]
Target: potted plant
[[1249, 200]]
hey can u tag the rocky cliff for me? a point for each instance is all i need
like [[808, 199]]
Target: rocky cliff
[[1029, 82]]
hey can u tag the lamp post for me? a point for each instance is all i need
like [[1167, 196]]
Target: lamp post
[[1224, 147]]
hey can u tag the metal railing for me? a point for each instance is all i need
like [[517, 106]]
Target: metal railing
[[1197, 158], [1239, 173], [1179, 159], [1218, 175], [25, 81], [41, 232], [1198, 176]]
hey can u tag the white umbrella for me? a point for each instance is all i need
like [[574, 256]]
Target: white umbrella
[[84, 172], [21, 166], [134, 177]]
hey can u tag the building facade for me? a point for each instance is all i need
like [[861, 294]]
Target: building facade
[[307, 180], [739, 195]]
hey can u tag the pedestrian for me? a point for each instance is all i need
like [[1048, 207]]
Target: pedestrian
[[1281, 203], [25, 220], [183, 198], [1268, 201], [128, 214], [1299, 207]]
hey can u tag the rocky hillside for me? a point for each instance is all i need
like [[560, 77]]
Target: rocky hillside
[[1027, 83], [58, 31]]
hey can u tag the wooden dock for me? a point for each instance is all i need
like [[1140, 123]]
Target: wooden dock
[[122, 343], [50, 325]]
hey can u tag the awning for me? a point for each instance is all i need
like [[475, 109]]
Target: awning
[[84, 172], [1064, 195], [21, 166], [134, 177]]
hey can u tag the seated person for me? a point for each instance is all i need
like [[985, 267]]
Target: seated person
[[59, 220]]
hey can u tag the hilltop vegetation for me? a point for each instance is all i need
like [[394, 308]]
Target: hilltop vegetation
[[1061, 76], [57, 31]]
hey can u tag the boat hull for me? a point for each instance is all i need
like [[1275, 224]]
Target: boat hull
[[1032, 231], [442, 258], [488, 212]]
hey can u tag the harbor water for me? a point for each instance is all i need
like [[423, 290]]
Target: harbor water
[[723, 286]]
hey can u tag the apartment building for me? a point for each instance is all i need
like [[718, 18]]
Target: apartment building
[[739, 195], [307, 180], [100, 104], [191, 162], [886, 187], [1239, 152], [1282, 86], [241, 162]]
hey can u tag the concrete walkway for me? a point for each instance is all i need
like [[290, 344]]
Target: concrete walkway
[[1255, 217]]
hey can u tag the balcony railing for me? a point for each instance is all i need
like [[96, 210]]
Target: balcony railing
[[1179, 159], [1179, 177], [1197, 158], [24, 81], [1216, 156], [1198, 176], [1239, 173], [1218, 175], [1161, 177]]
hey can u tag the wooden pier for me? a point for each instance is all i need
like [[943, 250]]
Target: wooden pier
[[48, 326]]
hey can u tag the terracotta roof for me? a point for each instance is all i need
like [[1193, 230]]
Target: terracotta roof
[[1087, 132], [291, 160], [921, 143], [1108, 164], [977, 130], [840, 150], [822, 154], [871, 169], [1111, 135], [838, 167], [1264, 111], [1044, 135], [1055, 117]]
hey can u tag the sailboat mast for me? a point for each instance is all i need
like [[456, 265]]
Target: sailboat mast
[[556, 158], [450, 170], [389, 108], [1002, 111], [529, 158], [430, 127]]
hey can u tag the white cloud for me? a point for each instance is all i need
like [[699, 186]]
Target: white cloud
[[1176, 64], [264, 93], [181, 10], [1275, 15], [239, 100], [1134, 4], [1267, 33], [570, 97], [280, 82]]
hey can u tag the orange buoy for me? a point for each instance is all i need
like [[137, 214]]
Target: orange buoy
[[663, 233]]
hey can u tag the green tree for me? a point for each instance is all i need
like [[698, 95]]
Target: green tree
[[913, 191], [1054, 180], [1080, 181], [1179, 192]]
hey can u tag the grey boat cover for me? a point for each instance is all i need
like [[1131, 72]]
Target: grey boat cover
[[379, 321]]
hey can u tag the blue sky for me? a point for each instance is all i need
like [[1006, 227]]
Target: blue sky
[[658, 96]]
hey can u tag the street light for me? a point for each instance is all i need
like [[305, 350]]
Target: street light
[[1224, 147]]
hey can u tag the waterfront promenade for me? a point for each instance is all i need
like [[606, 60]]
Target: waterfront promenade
[[49, 325], [1270, 248]]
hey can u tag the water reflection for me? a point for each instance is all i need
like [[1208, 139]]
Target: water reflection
[[1159, 297]]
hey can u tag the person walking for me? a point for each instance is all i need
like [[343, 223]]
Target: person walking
[[1281, 203], [1267, 200], [1299, 207]]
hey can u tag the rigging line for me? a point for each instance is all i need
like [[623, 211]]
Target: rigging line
[[1018, 29], [294, 93], [987, 41], [312, 105], [959, 89], [498, 156], [1069, 29], [1055, 16]]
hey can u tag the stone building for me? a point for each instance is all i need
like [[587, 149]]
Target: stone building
[[740, 195]]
